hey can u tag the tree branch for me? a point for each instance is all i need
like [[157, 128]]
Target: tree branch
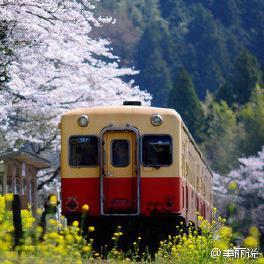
[[41, 17], [55, 174], [40, 149]]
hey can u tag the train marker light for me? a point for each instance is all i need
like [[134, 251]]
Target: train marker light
[[156, 120], [72, 205], [83, 121]]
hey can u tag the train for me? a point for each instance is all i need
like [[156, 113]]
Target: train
[[132, 162]]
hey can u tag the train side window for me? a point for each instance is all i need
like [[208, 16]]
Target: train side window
[[120, 153], [83, 151], [156, 150]]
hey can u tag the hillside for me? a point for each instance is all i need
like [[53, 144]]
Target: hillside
[[204, 37], [219, 46]]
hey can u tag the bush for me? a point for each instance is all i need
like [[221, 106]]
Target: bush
[[64, 244]]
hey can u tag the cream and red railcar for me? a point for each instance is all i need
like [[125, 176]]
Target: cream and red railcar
[[132, 161]]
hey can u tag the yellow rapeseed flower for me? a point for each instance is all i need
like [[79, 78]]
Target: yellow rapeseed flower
[[69, 238], [7, 262], [28, 248], [4, 246], [39, 211], [254, 231], [251, 242], [232, 186], [116, 234], [191, 246], [60, 250], [260, 260], [42, 247], [78, 238], [87, 249], [75, 223], [9, 197], [225, 231], [28, 241], [221, 244], [53, 200], [53, 235], [39, 229], [115, 252], [91, 228], [85, 208], [60, 240], [200, 218], [53, 222]]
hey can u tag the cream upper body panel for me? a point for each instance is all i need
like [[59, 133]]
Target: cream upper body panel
[[138, 117], [198, 173]]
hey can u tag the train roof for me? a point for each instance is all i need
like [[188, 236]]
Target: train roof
[[125, 109], [139, 110]]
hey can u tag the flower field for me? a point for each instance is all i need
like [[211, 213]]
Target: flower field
[[65, 244]]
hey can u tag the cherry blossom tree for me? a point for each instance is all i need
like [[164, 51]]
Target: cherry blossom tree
[[49, 64], [243, 187], [55, 66]]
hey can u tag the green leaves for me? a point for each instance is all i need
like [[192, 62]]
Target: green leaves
[[252, 116], [184, 100], [220, 132]]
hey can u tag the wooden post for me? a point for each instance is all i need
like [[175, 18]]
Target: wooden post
[[28, 185], [34, 190], [5, 178], [17, 220], [13, 169], [20, 179]]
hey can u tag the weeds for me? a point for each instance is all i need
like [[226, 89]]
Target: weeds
[[65, 244]]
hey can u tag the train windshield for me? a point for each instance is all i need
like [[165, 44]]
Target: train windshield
[[156, 150], [83, 151]]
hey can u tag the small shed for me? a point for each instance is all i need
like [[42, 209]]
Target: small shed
[[18, 175]]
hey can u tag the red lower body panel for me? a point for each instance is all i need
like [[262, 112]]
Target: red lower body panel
[[83, 191], [161, 195], [120, 195]]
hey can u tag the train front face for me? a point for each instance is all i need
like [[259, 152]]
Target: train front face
[[121, 161]]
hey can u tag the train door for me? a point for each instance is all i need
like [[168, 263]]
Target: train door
[[119, 178]]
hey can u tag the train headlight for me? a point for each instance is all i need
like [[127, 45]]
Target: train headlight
[[83, 121], [156, 120]]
